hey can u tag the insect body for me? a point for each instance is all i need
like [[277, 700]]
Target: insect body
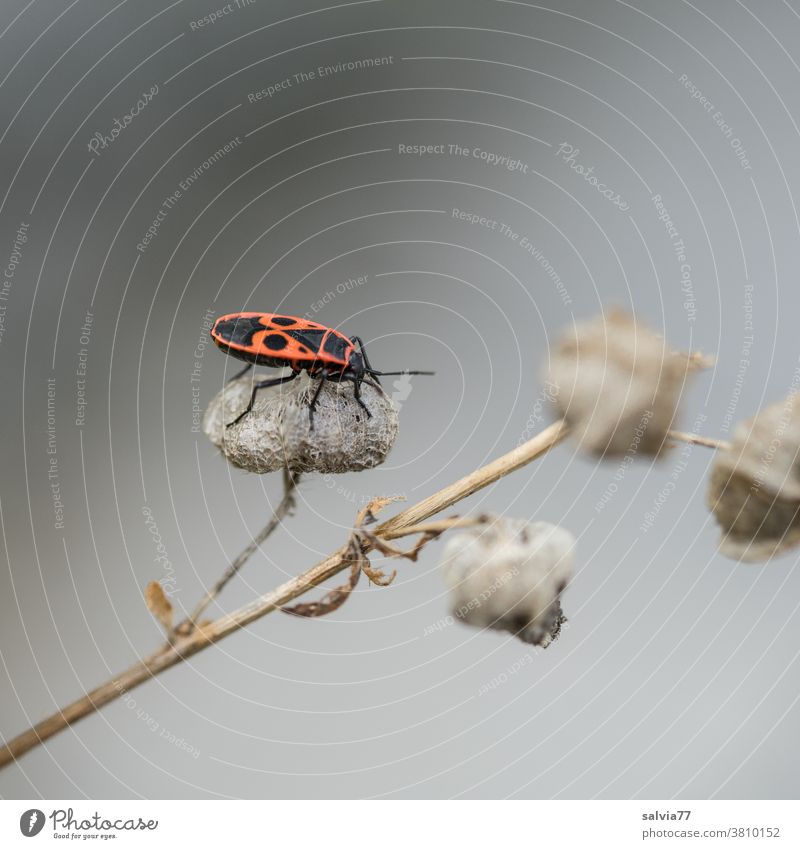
[[286, 341]]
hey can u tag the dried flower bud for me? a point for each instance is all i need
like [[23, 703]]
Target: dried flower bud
[[754, 488], [277, 433], [509, 575], [618, 385]]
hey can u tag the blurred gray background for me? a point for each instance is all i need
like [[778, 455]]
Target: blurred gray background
[[678, 673]]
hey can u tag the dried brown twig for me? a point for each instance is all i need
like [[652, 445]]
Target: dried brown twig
[[281, 511], [696, 439], [185, 645], [192, 636], [355, 551]]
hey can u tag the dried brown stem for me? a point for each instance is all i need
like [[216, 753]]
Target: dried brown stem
[[442, 525], [184, 646], [286, 504], [471, 483], [696, 439]]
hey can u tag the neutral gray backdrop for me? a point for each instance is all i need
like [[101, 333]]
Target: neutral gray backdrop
[[678, 674]]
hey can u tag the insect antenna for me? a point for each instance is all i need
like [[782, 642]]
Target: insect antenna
[[392, 373]]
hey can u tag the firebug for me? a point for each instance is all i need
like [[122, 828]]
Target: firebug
[[286, 341]]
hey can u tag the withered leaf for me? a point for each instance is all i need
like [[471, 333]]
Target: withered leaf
[[331, 601], [158, 604], [368, 515], [379, 577]]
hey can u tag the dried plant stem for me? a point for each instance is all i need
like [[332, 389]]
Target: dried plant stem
[[696, 439], [286, 504], [442, 525], [499, 468], [184, 646]]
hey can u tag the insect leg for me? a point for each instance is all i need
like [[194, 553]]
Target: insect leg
[[357, 393], [264, 384], [360, 342], [313, 405]]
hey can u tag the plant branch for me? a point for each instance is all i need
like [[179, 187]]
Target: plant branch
[[471, 483], [284, 507], [185, 646], [696, 439]]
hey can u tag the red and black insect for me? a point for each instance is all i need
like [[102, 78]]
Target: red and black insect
[[286, 341]]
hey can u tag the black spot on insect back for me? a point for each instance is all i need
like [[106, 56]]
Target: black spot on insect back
[[283, 320], [336, 346], [275, 342], [310, 337], [237, 331]]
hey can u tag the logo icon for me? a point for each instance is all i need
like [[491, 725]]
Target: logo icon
[[31, 822], [402, 389]]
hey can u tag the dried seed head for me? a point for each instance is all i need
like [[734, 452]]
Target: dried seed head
[[618, 385], [277, 433], [508, 574], [754, 488]]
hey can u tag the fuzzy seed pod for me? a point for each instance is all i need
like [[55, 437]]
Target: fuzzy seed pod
[[618, 385], [508, 574], [754, 488], [277, 433]]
